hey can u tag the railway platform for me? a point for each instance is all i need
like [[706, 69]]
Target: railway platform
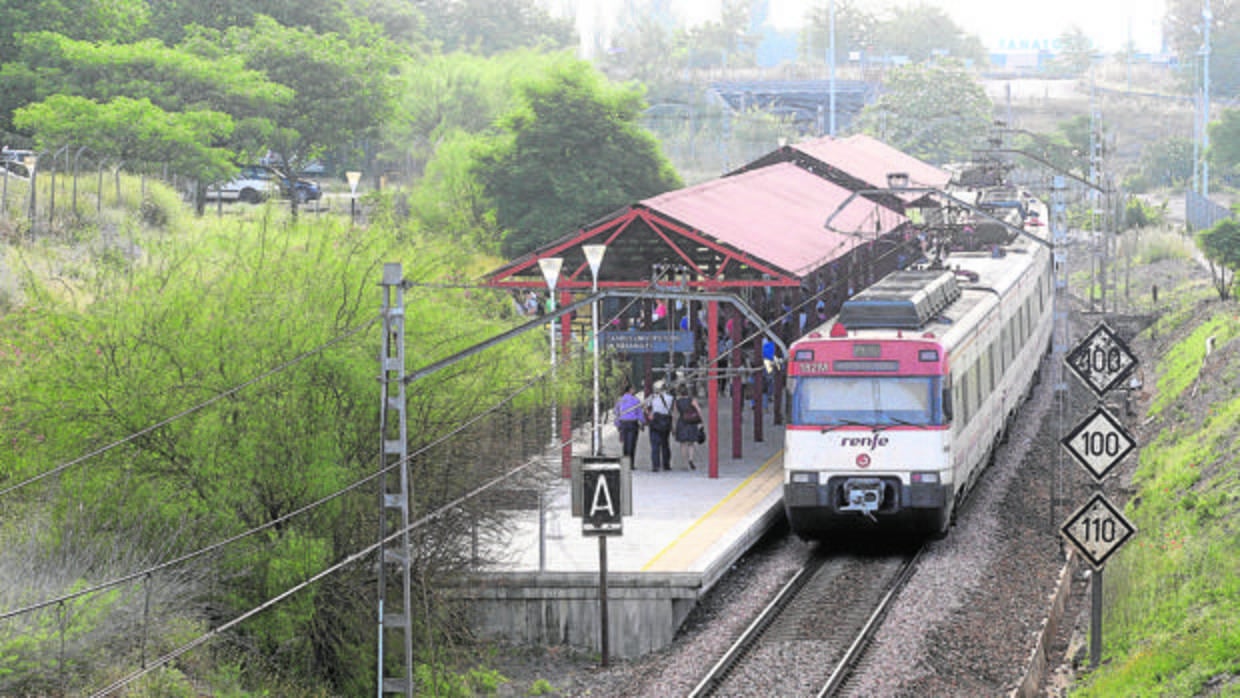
[[686, 530]]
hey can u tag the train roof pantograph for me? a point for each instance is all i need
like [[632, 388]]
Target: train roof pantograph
[[902, 300]]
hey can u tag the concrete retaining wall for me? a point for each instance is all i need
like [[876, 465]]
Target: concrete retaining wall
[[1035, 671], [644, 610]]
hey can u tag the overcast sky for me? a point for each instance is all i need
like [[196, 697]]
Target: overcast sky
[[1108, 22]]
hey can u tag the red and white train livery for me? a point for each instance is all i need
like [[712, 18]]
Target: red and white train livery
[[898, 402]]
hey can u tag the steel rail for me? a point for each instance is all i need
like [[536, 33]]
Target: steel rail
[[748, 639], [852, 658]]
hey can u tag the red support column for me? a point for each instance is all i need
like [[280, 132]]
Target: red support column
[[738, 384], [759, 389], [712, 387]]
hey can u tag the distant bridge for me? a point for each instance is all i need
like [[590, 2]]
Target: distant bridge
[[806, 102]]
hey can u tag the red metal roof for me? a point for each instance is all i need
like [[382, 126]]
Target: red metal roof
[[871, 160], [777, 213]]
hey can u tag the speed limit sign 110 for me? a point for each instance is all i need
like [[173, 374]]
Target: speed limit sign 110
[[1097, 530]]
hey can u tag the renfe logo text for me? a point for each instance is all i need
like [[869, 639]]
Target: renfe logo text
[[871, 442]]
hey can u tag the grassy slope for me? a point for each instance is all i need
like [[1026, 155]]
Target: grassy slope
[[1172, 595]]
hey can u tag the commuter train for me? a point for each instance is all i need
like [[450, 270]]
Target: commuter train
[[898, 402]]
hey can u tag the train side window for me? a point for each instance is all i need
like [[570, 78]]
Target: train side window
[[977, 387], [994, 354], [987, 383], [948, 412], [964, 399], [1008, 354]]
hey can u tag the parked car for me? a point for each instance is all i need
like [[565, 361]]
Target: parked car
[[14, 160], [301, 189], [310, 168], [255, 183], [314, 168]]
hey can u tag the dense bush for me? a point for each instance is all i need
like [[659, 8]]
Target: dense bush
[[231, 368]]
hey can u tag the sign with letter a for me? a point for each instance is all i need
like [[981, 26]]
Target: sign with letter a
[[602, 504]]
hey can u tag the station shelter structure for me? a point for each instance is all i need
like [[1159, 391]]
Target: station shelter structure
[[756, 235]]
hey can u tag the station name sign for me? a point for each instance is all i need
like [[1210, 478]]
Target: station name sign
[[648, 342]]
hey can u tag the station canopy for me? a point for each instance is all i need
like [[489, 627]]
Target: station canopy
[[863, 163], [761, 227]]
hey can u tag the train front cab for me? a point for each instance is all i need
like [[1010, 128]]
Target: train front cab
[[870, 467], [868, 503]]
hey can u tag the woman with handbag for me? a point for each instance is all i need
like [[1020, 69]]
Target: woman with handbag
[[689, 425]]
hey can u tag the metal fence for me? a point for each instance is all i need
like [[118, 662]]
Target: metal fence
[[1202, 213]]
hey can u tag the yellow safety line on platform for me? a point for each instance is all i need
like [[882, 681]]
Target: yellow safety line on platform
[[705, 538]]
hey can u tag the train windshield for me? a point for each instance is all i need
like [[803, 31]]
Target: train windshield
[[866, 400]]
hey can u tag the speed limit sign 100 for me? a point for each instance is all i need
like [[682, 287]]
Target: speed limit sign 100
[[1099, 443]]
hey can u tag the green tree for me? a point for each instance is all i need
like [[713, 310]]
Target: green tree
[[174, 80], [1167, 162], [935, 112], [1183, 24], [1225, 142], [446, 93], [641, 52], [274, 411], [1221, 247], [724, 42], [341, 83], [922, 32], [1076, 51], [488, 27], [135, 131], [1141, 214], [171, 20], [570, 152], [855, 30], [88, 20]]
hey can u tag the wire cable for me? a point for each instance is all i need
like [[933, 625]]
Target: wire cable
[[653, 293]]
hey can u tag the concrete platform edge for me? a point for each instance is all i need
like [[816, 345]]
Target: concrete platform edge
[[771, 512]]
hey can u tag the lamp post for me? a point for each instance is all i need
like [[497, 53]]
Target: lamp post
[[594, 257], [31, 161], [353, 177], [1207, 18], [831, 63], [4, 195], [550, 267]]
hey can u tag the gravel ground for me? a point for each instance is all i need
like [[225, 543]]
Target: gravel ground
[[968, 621]]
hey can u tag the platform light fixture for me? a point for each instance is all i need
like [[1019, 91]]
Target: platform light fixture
[[550, 267], [594, 257]]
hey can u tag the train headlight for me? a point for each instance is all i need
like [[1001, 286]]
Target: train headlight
[[925, 478], [804, 478]]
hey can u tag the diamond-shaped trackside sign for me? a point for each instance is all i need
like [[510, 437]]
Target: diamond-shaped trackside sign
[[1097, 530], [1101, 360], [1099, 443]]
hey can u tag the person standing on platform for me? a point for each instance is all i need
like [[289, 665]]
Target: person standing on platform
[[659, 416], [689, 424], [630, 420]]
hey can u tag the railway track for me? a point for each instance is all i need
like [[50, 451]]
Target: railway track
[[827, 614]]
